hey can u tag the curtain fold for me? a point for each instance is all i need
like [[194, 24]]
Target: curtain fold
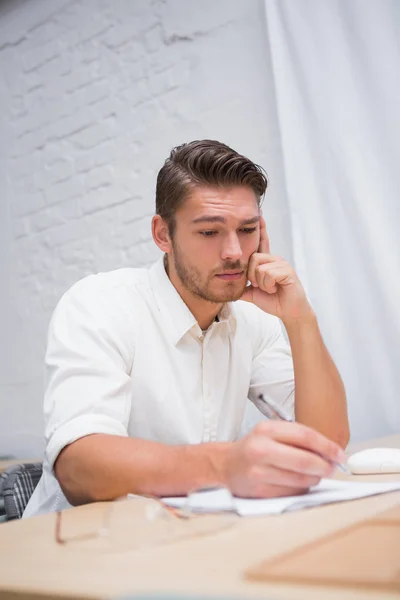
[[336, 74]]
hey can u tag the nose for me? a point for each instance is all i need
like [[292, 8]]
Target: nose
[[231, 249]]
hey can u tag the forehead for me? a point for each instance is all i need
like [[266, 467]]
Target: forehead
[[237, 203]]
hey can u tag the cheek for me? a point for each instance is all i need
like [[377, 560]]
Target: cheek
[[191, 248], [250, 245]]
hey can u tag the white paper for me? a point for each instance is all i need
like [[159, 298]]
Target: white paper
[[326, 492]]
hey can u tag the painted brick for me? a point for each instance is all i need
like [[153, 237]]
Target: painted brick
[[60, 170], [55, 215], [68, 232], [102, 154], [28, 203], [93, 135], [103, 197], [64, 190], [40, 55], [80, 120], [99, 177], [96, 93], [21, 227]]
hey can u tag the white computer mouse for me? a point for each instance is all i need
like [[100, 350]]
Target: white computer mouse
[[375, 460]]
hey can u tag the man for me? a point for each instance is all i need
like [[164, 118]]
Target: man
[[149, 371]]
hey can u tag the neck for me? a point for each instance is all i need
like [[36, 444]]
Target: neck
[[203, 311]]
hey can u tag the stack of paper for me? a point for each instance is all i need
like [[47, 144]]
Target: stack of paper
[[326, 492]]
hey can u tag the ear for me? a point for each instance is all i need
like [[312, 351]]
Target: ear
[[159, 230]]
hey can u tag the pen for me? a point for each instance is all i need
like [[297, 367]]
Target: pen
[[275, 413]]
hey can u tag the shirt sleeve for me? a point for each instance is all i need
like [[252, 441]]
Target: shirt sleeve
[[272, 371], [88, 361]]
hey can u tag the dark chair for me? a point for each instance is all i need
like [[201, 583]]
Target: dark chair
[[17, 485]]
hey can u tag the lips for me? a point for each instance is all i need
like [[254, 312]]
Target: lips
[[230, 275]]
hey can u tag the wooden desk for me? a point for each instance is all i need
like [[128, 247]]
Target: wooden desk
[[31, 563], [4, 464]]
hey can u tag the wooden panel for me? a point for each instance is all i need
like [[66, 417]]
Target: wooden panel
[[366, 555]]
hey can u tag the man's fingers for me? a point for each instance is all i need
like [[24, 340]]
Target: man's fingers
[[264, 246], [298, 461], [277, 476], [267, 280], [265, 452], [258, 260], [300, 436]]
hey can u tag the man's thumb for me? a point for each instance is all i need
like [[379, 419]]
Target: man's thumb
[[247, 295]]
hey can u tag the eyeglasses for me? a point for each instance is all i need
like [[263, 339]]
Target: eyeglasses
[[139, 522]]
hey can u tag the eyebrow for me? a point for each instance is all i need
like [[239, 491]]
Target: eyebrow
[[218, 219]]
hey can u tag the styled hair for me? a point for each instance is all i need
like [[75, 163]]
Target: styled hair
[[207, 163]]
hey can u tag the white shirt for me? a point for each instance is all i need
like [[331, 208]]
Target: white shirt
[[125, 356]]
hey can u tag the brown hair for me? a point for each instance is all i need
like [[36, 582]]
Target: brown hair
[[205, 162]]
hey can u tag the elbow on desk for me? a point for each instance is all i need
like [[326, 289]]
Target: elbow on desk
[[77, 483], [77, 493]]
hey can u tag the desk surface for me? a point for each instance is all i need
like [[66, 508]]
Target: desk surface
[[32, 563]]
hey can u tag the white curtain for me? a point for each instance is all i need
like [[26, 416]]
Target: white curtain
[[336, 75]]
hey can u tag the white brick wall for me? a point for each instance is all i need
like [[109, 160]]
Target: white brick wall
[[94, 94]]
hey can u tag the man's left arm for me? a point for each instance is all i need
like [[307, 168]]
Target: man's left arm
[[320, 399]]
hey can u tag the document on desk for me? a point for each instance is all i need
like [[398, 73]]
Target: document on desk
[[326, 492]]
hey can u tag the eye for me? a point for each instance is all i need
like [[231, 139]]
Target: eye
[[209, 233], [248, 229]]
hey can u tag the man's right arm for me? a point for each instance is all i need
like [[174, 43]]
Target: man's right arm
[[105, 467], [274, 459]]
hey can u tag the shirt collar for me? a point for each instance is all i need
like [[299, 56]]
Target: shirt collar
[[177, 317]]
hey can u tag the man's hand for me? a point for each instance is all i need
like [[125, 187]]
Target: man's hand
[[275, 287], [279, 459]]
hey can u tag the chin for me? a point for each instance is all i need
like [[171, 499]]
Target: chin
[[230, 295], [235, 297]]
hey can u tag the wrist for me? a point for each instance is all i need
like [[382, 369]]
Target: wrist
[[306, 320], [219, 459]]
